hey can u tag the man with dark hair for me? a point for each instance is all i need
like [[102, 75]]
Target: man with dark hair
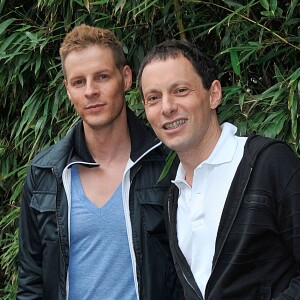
[[91, 223], [233, 210]]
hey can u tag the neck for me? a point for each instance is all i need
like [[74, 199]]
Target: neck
[[192, 158], [109, 144]]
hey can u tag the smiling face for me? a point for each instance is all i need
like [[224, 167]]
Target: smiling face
[[96, 86], [180, 110]]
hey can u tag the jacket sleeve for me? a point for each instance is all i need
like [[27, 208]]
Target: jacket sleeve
[[30, 247], [289, 217]]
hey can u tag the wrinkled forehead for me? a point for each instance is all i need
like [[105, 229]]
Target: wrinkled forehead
[[168, 70], [177, 59]]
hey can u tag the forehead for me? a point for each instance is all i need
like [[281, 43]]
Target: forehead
[[89, 59], [165, 72], [90, 51]]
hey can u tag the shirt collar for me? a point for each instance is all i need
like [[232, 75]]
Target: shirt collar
[[222, 153], [225, 147]]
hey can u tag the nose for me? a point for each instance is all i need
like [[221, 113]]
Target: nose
[[91, 89], [168, 105]]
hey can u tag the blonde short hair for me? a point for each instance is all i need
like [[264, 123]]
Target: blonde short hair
[[83, 36]]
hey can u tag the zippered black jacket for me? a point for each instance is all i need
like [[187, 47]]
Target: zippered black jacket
[[44, 233], [257, 250]]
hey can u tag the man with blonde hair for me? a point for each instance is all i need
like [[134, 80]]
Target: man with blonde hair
[[91, 222]]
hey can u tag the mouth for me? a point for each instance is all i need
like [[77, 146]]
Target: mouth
[[175, 124], [93, 106]]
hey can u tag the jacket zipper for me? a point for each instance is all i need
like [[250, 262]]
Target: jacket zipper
[[179, 263], [189, 283], [57, 224], [137, 262], [56, 213]]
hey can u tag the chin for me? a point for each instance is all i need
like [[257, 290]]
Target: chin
[[171, 146], [170, 142]]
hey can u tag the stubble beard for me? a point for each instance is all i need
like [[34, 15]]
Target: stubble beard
[[113, 117]]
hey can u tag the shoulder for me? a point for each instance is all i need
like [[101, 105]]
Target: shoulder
[[56, 152], [259, 147], [272, 159]]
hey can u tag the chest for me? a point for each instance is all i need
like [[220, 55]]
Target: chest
[[100, 183]]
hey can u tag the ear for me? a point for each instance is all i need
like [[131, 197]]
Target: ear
[[127, 77], [67, 89], [215, 94]]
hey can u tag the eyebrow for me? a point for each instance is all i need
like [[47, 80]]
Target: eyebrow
[[172, 86], [149, 91], [95, 73], [175, 84]]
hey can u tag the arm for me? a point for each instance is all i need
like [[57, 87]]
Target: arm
[[30, 250], [289, 219]]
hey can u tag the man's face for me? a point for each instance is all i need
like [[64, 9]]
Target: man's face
[[96, 86], [180, 110]]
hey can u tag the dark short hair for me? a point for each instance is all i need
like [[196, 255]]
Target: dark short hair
[[202, 63]]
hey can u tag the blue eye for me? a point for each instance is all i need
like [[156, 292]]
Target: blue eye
[[102, 76], [78, 82]]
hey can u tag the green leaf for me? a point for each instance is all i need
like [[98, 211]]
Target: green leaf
[[292, 22], [241, 100], [33, 38], [269, 14], [39, 125], [24, 28], [233, 3], [21, 79], [273, 5], [2, 3], [278, 73], [235, 62], [275, 123], [291, 9], [5, 24], [120, 5], [294, 76], [278, 12], [57, 100], [37, 64], [167, 167], [144, 6], [264, 4], [7, 42], [293, 105]]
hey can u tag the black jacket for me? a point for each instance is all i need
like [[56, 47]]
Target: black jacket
[[257, 250], [44, 236]]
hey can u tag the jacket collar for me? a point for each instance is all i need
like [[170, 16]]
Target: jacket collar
[[142, 139], [81, 151]]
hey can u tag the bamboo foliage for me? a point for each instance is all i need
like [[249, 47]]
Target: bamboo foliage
[[255, 43]]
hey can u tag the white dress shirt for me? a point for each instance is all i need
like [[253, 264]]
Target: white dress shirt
[[200, 206]]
